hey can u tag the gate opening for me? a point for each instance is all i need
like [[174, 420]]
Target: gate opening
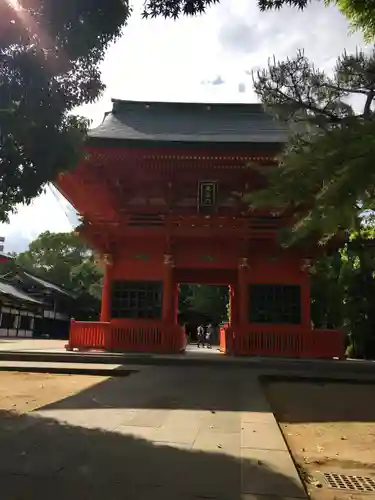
[[202, 304]]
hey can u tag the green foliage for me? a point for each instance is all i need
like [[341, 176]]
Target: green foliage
[[325, 173], [65, 259], [327, 292], [175, 8], [184, 294], [342, 292], [360, 13], [210, 301], [49, 64]]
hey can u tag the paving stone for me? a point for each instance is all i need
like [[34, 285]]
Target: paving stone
[[137, 432], [163, 433], [148, 418], [183, 433], [180, 426], [229, 422], [257, 416], [218, 442], [170, 444], [254, 406], [265, 436], [266, 472], [103, 419], [35, 452]]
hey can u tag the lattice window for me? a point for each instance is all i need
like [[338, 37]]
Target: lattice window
[[137, 299], [277, 304]]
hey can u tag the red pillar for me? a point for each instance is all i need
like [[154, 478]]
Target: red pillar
[[168, 290], [243, 294], [105, 310]]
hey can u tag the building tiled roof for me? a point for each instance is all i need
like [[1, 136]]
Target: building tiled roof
[[47, 284], [162, 122], [12, 292]]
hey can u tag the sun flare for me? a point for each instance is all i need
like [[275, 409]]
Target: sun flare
[[14, 4]]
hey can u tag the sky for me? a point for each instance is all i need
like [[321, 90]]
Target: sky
[[208, 58]]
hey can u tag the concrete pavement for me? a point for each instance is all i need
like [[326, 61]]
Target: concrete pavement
[[53, 352], [103, 369], [161, 433]]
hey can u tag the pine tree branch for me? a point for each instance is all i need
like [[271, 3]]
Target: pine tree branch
[[347, 90]]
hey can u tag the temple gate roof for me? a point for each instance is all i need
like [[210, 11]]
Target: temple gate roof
[[183, 123]]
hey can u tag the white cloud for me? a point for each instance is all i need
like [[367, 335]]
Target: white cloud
[[168, 60], [50, 211]]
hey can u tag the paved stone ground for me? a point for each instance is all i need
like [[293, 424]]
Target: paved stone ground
[[162, 433], [13, 344]]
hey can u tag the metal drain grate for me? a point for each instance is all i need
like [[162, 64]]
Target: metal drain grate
[[354, 483]]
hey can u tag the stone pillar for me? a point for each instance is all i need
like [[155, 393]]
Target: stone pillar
[[168, 290], [105, 310], [243, 294]]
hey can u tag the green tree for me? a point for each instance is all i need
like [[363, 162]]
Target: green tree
[[358, 278], [325, 177], [210, 301], [360, 13], [49, 64], [65, 259], [328, 292], [325, 173], [343, 290]]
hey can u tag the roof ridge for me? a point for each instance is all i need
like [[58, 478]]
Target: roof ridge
[[218, 124], [33, 275], [21, 293], [187, 103]]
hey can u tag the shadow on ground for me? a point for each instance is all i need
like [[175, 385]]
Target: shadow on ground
[[191, 388], [41, 458], [211, 388], [309, 400]]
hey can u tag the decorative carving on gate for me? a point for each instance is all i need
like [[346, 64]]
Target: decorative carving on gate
[[244, 262], [168, 260]]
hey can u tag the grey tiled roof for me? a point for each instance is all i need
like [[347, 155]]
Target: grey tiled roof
[[189, 123], [47, 284], [12, 291]]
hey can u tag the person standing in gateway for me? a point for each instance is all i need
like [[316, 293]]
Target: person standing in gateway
[[200, 336], [209, 334]]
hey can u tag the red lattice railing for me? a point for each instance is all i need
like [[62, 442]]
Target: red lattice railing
[[127, 336], [146, 336], [88, 335], [288, 342], [253, 340]]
